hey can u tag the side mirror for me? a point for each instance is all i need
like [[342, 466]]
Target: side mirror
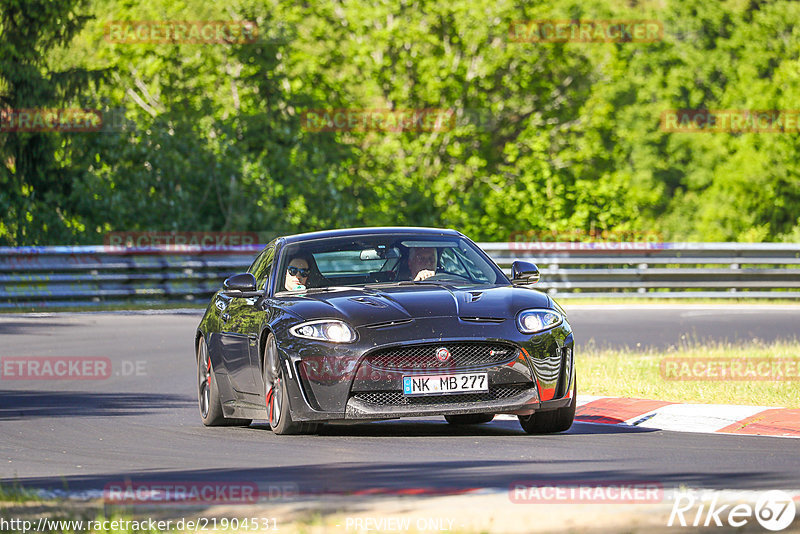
[[524, 273], [239, 284]]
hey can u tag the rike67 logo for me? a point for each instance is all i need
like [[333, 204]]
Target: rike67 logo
[[774, 510]]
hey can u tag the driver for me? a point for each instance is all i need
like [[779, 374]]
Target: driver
[[297, 274], [422, 262]]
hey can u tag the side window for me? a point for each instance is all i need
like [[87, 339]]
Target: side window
[[454, 261], [262, 267], [449, 263]]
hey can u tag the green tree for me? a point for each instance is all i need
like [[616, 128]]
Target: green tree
[[36, 169], [550, 137]]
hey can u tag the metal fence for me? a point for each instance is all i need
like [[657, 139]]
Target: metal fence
[[674, 270], [52, 277]]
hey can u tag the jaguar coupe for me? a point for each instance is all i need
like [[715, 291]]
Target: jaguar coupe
[[383, 323]]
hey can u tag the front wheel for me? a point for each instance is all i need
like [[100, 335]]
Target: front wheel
[[559, 420], [277, 395]]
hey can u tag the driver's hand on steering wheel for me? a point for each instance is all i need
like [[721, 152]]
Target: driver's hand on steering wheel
[[423, 274]]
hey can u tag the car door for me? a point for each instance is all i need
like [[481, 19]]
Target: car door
[[262, 270], [236, 338], [240, 321]]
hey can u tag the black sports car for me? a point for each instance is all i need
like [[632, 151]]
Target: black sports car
[[382, 323]]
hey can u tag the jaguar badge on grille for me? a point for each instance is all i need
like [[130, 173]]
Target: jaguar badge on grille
[[442, 354]]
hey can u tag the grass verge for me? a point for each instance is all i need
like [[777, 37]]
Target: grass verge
[[15, 494], [755, 373]]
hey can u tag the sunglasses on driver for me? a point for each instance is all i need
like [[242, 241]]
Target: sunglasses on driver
[[295, 270]]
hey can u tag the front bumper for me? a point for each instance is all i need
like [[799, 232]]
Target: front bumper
[[349, 382]]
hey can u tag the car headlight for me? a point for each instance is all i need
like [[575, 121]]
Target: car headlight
[[532, 321], [325, 330]]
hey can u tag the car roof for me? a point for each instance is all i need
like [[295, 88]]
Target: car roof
[[387, 230]]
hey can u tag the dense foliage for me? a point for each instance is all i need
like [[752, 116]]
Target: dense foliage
[[545, 138]]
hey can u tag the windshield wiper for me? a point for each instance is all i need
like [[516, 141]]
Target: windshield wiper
[[425, 282], [325, 289]]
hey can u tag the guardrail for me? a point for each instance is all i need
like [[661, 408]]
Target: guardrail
[[673, 270], [52, 277]]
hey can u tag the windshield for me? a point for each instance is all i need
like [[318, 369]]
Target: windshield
[[382, 259]]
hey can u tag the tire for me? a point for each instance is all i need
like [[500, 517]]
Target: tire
[[276, 395], [208, 393], [559, 420], [469, 419]]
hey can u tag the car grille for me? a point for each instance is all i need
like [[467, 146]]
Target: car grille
[[462, 355], [396, 398]]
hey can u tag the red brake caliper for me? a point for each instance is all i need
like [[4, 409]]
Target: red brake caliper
[[269, 400], [208, 378]]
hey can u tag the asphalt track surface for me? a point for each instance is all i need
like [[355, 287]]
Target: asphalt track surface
[[141, 423]]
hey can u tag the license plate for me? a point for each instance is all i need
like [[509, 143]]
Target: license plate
[[445, 384]]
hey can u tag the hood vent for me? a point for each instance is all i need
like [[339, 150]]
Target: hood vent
[[483, 319], [369, 301], [387, 324]]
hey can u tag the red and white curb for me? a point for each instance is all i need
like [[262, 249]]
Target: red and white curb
[[703, 418]]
